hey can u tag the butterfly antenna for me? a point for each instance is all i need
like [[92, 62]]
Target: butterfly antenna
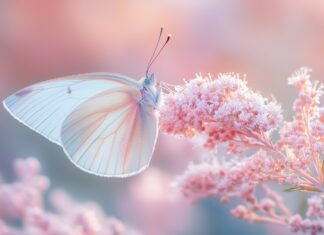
[[155, 48], [154, 57]]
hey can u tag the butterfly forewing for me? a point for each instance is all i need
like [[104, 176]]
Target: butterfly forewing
[[44, 106], [111, 134]]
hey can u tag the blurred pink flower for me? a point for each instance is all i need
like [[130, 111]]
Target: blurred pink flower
[[314, 223], [16, 198], [23, 200], [160, 206]]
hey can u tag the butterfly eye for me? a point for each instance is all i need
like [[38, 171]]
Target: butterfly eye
[[149, 80]]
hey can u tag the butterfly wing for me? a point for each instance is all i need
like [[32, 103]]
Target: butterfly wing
[[44, 106], [111, 134]]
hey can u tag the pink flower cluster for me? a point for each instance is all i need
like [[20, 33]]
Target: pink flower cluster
[[16, 198], [23, 200], [231, 178], [224, 111], [302, 139]]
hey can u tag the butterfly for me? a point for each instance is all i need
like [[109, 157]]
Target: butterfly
[[107, 124]]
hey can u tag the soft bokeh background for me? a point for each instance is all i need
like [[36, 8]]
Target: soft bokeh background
[[43, 39]]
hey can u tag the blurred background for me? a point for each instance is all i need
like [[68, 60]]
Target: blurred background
[[43, 39]]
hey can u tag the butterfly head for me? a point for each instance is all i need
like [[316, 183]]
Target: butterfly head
[[149, 80], [150, 92]]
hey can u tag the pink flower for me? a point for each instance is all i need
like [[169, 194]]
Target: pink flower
[[23, 200], [237, 177], [305, 133], [225, 112], [315, 207], [313, 227], [221, 109], [16, 198], [200, 181], [268, 205], [162, 209], [295, 223]]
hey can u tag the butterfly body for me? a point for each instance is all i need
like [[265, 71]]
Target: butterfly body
[[151, 94], [107, 124]]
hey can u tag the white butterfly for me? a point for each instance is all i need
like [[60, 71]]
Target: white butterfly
[[107, 124]]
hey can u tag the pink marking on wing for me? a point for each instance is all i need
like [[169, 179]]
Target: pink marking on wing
[[125, 157], [140, 134], [114, 137], [87, 133], [107, 111], [104, 138], [93, 127], [109, 155], [110, 110], [98, 122], [96, 154]]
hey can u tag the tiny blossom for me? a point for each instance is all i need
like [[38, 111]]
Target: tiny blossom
[[23, 200], [315, 207], [241, 212], [314, 223], [267, 205], [199, 181]]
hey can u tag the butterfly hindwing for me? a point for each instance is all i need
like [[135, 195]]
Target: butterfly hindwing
[[111, 134]]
